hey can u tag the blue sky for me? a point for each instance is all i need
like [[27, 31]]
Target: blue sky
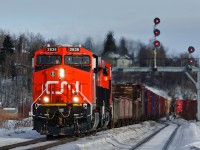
[[75, 20]]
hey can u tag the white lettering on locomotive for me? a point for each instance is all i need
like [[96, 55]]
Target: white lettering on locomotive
[[74, 49], [63, 83], [51, 49]]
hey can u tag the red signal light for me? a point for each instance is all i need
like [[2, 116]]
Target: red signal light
[[156, 21], [191, 49], [156, 43], [191, 61], [156, 32]]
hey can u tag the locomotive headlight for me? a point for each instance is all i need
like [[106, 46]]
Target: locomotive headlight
[[76, 99], [46, 99], [62, 73]]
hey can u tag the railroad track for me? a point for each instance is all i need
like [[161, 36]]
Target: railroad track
[[159, 139], [44, 143], [38, 144], [170, 139], [23, 143]]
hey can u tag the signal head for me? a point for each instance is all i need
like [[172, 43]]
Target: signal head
[[191, 61], [191, 49], [156, 32], [156, 21], [156, 43]]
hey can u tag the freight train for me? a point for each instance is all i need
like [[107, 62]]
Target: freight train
[[73, 94]]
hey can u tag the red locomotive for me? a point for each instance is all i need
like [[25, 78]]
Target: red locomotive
[[71, 91]]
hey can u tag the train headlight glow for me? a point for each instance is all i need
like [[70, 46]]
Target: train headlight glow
[[62, 73], [46, 99], [76, 99]]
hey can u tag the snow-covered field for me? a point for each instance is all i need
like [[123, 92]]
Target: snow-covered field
[[187, 137], [16, 131]]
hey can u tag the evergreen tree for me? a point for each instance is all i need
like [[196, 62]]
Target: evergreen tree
[[109, 44], [7, 42], [8, 45], [123, 50], [89, 44]]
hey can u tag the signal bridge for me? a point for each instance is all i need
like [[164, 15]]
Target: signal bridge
[[185, 70]]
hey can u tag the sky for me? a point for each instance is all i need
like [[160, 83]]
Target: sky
[[74, 20]]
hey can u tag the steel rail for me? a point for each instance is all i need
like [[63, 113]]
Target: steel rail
[[23, 143], [166, 146], [148, 138]]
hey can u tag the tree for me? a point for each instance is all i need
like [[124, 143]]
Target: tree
[[123, 50], [33, 43], [2, 37], [8, 45], [89, 44], [161, 56], [8, 48], [52, 42], [109, 44], [144, 56], [20, 43]]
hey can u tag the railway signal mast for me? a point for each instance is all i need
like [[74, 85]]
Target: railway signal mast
[[156, 43]]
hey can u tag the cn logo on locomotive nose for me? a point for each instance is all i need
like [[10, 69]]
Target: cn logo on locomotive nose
[[63, 83], [52, 73]]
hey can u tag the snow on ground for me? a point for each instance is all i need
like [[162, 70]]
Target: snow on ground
[[13, 132], [119, 138], [187, 137]]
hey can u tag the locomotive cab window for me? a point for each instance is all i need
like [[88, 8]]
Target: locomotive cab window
[[48, 60], [105, 71], [78, 61]]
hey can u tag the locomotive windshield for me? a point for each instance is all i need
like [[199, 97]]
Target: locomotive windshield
[[48, 60], [77, 60]]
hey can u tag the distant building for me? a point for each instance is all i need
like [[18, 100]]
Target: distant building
[[124, 62], [117, 60]]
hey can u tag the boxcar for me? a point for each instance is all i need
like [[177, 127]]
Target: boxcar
[[162, 112], [138, 102], [148, 103], [189, 109]]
